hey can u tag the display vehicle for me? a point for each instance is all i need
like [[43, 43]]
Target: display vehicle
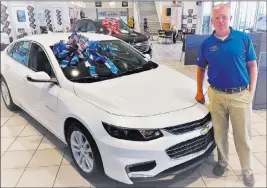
[[118, 111]]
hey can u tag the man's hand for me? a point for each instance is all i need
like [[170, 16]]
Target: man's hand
[[200, 97]]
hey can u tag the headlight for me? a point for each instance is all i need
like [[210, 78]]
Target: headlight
[[132, 134]]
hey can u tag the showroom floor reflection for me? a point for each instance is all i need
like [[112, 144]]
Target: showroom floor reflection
[[33, 157]]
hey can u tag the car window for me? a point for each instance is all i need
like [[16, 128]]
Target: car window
[[20, 52], [38, 60], [124, 26], [85, 26], [9, 50]]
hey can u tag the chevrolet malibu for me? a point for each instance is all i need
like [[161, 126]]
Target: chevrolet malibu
[[118, 111]]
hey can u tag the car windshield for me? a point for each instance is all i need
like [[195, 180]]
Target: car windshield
[[110, 60], [124, 27]]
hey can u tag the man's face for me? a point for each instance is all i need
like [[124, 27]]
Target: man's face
[[220, 19]]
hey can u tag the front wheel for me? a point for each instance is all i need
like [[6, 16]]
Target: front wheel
[[84, 151], [6, 96]]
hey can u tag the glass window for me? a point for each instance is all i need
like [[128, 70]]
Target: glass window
[[85, 26], [247, 15], [261, 19], [20, 52], [109, 54], [206, 17], [39, 61], [233, 7]]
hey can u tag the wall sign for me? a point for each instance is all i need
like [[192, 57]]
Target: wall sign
[[124, 3], [98, 4]]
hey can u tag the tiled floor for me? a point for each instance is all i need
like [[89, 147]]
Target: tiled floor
[[32, 157]]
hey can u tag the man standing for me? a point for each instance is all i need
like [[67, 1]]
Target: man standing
[[232, 75]]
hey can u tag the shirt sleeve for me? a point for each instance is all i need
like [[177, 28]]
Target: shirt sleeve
[[250, 51], [201, 60]]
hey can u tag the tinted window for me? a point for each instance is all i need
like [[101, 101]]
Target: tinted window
[[85, 26], [20, 52], [38, 60]]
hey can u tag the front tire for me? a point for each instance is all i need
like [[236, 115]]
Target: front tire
[[84, 151], [6, 96]]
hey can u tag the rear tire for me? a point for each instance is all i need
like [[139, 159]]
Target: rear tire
[[6, 96], [90, 164]]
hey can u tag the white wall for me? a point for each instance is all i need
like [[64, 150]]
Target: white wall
[[196, 11]]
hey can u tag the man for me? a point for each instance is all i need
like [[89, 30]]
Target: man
[[232, 74]]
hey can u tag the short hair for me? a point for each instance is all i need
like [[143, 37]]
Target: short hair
[[221, 6]]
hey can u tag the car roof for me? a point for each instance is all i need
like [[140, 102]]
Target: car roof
[[51, 38]]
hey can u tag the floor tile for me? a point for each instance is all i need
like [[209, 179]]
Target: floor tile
[[51, 141], [36, 130], [6, 113], [46, 157], [205, 170], [10, 177], [189, 183], [6, 142], [25, 143], [11, 131], [258, 144], [229, 181], [257, 118], [4, 120], [234, 163], [261, 157], [260, 128], [262, 113], [16, 120], [38, 177], [260, 180], [69, 177], [16, 159]]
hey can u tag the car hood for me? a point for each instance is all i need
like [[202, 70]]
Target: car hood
[[133, 37], [153, 92]]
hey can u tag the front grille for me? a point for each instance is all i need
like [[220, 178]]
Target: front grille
[[187, 127], [191, 146]]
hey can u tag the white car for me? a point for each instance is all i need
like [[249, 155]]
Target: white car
[[140, 124]]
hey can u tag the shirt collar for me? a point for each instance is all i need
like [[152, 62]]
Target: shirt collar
[[230, 36]]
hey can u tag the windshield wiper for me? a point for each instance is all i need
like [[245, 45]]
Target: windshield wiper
[[88, 79]]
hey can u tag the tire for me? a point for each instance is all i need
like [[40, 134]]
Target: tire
[[6, 96], [97, 168]]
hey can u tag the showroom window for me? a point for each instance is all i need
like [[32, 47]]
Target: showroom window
[[245, 15]]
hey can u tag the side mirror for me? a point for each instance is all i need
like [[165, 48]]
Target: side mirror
[[38, 77], [147, 56]]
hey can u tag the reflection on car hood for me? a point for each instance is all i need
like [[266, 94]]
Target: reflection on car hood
[[153, 92]]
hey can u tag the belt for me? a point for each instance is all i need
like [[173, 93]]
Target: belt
[[230, 90]]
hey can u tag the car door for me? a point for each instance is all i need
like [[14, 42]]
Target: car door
[[15, 70], [42, 96]]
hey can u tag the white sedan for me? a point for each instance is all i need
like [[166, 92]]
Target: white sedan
[[141, 123]]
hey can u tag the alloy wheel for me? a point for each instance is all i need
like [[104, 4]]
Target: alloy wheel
[[82, 151], [5, 93]]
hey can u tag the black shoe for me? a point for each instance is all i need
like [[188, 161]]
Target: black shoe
[[218, 170], [248, 180]]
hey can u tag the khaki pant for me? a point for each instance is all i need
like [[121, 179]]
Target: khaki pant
[[239, 107]]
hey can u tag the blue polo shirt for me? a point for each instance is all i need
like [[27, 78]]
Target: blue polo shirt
[[227, 60]]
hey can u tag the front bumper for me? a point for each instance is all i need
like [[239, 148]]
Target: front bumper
[[119, 155]]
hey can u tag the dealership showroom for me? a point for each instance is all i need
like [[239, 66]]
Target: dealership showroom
[[133, 93]]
